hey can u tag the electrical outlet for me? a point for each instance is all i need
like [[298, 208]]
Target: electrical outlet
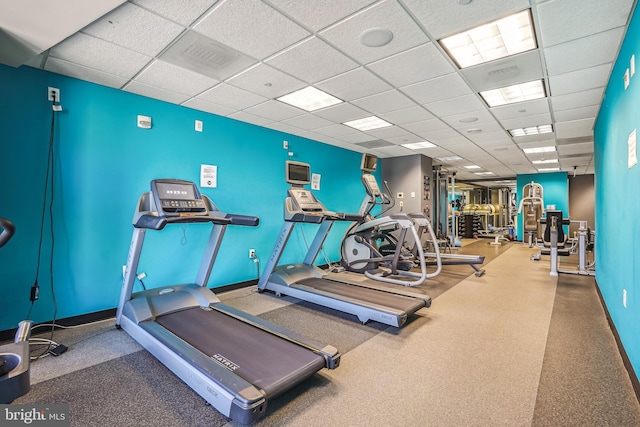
[[252, 253], [53, 94]]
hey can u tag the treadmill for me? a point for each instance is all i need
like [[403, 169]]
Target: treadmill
[[347, 292], [234, 360]]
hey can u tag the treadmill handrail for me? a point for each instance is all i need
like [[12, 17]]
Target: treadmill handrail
[[156, 222], [8, 230]]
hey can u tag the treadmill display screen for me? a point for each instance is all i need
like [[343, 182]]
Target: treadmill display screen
[[175, 197], [175, 191]]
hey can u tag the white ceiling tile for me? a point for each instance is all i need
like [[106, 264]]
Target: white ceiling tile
[[396, 150], [459, 105], [384, 102], [232, 97], [243, 116], [275, 110], [440, 136], [575, 128], [355, 137], [480, 116], [354, 84], [576, 113], [406, 138], [312, 60], [513, 111], [266, 81], [388, 132], [445, 17], [334, 130], [490, 136], [527, 121], [576, 81], [562, 21], [31, 27], [183, 12], [100, 55], [136, 29], [66, 68], [445, 87], [250, 26], [577, 99], [283, 127], [425, 126], [308, 122], [167, 76], [386, 14], [155, 93], [209, 107], [581, 148], [407, 115], [414, 65], [322, 14], [341, 113], [570, 56]]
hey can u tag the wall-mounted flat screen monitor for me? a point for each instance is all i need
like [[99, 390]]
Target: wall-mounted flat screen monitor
[[369, 162], [297, 173]]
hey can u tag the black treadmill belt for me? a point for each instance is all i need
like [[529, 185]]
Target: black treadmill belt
[[261, 358], [402, 303]]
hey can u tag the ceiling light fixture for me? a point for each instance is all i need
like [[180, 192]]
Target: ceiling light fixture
[[449, 159], [547, 149], [532, 130], [483, 173], [515, 93], [549, 170], [472, 167], [368, 123], [418, 145], [474, 130], [468, 120], [498, 39], [543, 162], [309, 99], [376, 37]]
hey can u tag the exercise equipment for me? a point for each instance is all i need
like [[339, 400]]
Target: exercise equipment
[[554, 240], [234, 360], [344, 291], [408, 249], [14, 357], [533, 204], [370, 246]]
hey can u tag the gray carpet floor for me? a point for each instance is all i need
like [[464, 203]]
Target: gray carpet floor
[[513, 347]]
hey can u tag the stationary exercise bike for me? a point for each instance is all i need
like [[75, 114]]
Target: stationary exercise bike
[[14, 357]]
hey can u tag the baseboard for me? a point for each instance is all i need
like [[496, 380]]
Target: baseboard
[[625, 359], [9, 334]]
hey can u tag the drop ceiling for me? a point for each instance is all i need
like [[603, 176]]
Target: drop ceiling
[[234, 58]]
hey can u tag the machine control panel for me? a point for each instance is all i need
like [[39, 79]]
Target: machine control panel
[[175, 197], [305, 200]]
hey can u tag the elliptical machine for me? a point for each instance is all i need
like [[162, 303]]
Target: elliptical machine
[[372, 247], [14, 357]]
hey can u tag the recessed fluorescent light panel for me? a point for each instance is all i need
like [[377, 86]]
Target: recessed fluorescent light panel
[[368, 123], [512, 94], [532, 130], [418, 145], [548, 170], [548, 149], [483, 173], [472, 167], [498, 39], [544, 162], [310, 99]]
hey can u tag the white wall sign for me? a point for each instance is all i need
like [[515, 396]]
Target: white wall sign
[[633, 158], [208, 176], [315, 181]]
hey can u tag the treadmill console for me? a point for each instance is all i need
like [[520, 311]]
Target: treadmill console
[[371, 185], [174, 197], [305, 201]]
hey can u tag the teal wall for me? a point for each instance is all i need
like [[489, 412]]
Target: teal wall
[[617, 203], [104, 162], [555, 191]]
